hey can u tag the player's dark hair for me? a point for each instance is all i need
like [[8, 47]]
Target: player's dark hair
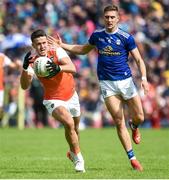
[[38, 33], [111, 8]]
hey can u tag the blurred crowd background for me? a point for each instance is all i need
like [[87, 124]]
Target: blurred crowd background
[[75, 20]]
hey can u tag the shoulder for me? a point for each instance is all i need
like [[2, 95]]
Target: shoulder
[[55, 50], [123, 33], [2, 55], [59, 52], [99, 31], [5, 59]]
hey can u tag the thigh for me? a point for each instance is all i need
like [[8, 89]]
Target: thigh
[[127, 88], [109, 88], [51, 105], [62, 115], [74, 105], [114, 105], [135, 106]]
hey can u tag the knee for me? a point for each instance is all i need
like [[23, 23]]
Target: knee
[[69, 125], [119, 124], [140, 117], [77, 130]]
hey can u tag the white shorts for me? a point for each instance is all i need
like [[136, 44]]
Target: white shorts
[[72, 105], [125, 88], [1, 98]]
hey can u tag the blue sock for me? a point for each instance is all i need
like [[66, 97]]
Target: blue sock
[[131, 154]]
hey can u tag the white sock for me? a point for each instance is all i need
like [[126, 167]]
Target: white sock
[[134, 157]]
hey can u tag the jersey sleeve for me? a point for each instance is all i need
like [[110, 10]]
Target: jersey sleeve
[[92, 39], [131, 43], [61, 53], [7, 61]]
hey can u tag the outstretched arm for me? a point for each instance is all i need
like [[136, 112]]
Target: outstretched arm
[[142, 68], [76, 49]]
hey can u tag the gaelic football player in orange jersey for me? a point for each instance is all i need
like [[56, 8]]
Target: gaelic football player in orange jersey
[[60, 97], [5, 61]]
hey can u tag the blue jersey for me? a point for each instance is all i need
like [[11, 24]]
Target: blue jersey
[[113, 51]]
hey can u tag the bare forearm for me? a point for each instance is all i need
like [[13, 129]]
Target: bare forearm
[[67, 65], [139, 61], [143, 71], [77, 49], [68, 69], [142, 68], [25, 80]]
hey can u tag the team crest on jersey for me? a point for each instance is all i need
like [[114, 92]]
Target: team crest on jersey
[[108, 49], [118, 42]]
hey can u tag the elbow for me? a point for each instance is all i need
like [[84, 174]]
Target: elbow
[[74, 70], [24, 87], [83, 52], [25, 82]]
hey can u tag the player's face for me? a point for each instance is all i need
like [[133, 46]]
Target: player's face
[[41, 45], [111, 19]]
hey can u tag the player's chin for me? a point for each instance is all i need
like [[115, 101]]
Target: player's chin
[[42, 53], [110, 27]]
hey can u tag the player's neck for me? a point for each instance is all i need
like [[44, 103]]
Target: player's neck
[[112, 31]]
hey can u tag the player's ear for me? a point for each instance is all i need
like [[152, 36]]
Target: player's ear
[[118, 17], [33, 45]]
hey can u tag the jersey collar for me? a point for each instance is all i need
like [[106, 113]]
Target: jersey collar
[[112, 32]]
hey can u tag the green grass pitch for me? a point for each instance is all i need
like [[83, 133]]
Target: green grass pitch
[[41, 154]]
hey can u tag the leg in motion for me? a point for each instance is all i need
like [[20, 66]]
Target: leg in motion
[[115, 106], [62, 115], [136, 111]]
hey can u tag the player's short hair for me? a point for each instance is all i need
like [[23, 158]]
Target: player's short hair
[[111, 8], [37, 33]]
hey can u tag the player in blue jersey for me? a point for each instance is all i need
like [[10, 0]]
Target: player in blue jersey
[[115, 77]]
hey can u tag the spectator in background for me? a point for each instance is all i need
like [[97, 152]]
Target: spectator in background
[[5, 62], [41, 115], [92, 106]]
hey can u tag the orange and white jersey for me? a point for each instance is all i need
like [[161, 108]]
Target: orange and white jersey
[[62, 85], [4, 61]]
